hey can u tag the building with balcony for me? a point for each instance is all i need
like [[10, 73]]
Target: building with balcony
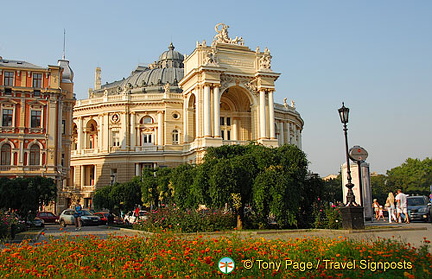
[[169, 112], [36, 105]]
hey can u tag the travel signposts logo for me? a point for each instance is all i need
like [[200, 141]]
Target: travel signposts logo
[[226, 265]]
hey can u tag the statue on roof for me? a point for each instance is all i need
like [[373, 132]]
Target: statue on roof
[[265, 60], [222, 36]]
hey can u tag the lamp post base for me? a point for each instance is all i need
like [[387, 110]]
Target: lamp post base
[[352, 217]]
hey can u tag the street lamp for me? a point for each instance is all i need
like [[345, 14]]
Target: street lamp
[[352, 213], [344, 114]]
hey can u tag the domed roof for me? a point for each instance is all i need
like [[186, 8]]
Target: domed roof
[[68, 74], [171, 54], [168, 69]]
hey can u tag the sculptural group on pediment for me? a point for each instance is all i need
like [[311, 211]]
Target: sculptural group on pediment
[[222, 36]]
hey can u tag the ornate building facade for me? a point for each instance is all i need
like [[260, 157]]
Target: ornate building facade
[[36, 105], [169, 112]]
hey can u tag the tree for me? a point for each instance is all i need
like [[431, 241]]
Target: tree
[[120, 196], [27, 194], [413, 176]]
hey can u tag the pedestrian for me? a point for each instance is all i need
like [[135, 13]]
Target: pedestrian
[[390, 206], [381, 213], [401, 206], [77, 215], [376, 206]]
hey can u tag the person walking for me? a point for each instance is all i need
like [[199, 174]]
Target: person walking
[[402, 207], [376, 206], [77, 215], [390, 206]]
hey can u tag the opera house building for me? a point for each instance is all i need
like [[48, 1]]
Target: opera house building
[[167, 113]]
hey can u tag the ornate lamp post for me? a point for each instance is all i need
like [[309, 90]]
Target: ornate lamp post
[[352, 214]]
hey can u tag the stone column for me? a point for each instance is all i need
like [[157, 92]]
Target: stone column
[[80, 130], [234, 134], [262, 116], [207, 111], [137, 170], [82, 176], [271, 115], [105, 132], [132, 131], [160, 128], [185, 119], [281, 133], [123, 131], [216, 109], [197, 114]]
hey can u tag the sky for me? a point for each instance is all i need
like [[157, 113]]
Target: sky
[[376, 56]]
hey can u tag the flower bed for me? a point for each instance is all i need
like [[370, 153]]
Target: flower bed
[[169, 256]]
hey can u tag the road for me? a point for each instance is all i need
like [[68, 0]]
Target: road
[[55, 231], [414, 233]]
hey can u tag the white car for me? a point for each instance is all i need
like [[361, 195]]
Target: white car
[[87, 218], [130, 217]]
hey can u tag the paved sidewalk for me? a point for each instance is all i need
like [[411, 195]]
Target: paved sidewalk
[[414, 233]]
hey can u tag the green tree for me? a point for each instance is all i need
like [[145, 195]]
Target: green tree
[[413, 176], [182, 179], [27, 194]]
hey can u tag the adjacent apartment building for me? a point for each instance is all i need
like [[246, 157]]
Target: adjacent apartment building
[[36, 105]]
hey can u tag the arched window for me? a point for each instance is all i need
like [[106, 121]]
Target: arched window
[[147, 120], [34, 155], [175, 137], [6, 151]]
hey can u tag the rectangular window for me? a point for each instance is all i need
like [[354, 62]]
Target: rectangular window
[[63, 127], [7, 117], [115, 138], [37, 80], [223, 134], [8, 79], [228, 135], [228, 121], [147, 138], [36, 116], [222, 121]]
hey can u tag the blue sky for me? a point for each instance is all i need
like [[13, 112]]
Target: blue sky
[[376, 56]]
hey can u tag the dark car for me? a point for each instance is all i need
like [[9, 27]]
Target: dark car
[[48, 217], [419, 208], [104, 218]]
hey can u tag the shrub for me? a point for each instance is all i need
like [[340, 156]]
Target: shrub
[[186, 221], [326, 216]]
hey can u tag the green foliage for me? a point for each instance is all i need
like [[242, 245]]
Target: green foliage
[[120, 196], [326, 216], [182, 179], [413, 176], [165, 219], [332, 190], [27, 194]]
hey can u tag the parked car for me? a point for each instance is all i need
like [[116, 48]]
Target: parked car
[[47, 217], [87, 218], [419, 208], [35, 223], [104, 218], [130, 217]]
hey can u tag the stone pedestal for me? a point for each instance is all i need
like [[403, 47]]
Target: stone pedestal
[[352, 217]]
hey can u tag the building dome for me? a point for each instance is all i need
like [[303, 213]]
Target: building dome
[[169, 69], [171, 58], [68, 74]]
